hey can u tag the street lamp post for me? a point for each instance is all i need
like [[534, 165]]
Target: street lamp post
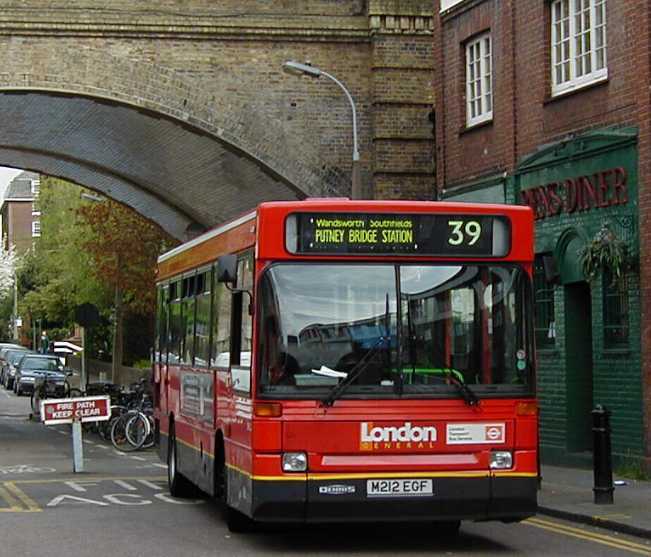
[[296, 68]]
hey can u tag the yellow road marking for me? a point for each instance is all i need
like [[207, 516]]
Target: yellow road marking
[[91, 479], [12, 502], [590, 536], [29, 503], [19, 502]]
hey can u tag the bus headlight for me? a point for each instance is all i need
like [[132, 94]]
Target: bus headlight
[[294, 462], [501, 459]]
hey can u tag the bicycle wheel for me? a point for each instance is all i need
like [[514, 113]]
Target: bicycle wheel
[[137, 430], [106, 426], [119, 432], [151, 438]]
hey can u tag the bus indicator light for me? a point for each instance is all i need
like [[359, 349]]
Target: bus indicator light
[[268, 409]]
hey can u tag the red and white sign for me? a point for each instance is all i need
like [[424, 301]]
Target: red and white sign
[[470, 434], [85, 409]]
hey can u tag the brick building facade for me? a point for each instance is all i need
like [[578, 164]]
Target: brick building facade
[[20, 217], [548, 104]]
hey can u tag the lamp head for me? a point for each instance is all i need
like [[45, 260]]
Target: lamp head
[[296, 68]]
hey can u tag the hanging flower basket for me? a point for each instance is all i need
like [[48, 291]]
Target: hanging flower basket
[[605, 252]]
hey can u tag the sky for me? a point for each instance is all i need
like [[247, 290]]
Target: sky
[[6, 176]]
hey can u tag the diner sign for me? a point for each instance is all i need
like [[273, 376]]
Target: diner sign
[[580, 193]]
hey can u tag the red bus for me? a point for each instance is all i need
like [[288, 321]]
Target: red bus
[[334, 360]]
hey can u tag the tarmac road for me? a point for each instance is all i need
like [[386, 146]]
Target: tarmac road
[[121, 505]]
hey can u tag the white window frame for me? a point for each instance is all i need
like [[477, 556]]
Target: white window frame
[[36, 229], [567, 39], [479, 80], [447, 4], [35, 186]]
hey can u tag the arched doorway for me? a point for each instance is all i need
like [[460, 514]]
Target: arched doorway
[[577, 296]]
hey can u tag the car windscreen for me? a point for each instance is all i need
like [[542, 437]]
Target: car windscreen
[[47, 364]]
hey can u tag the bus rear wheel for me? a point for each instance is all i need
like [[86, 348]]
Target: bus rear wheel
[[179, 485]]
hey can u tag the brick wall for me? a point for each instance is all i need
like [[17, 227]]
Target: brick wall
[[217, 66], [526, 117], [20, 224]]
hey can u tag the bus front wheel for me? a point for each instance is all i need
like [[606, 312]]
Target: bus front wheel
[[179, 486]]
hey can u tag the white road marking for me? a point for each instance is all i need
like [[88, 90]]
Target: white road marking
[[118, 499], [58, 500], [79, 485], [159, 465], [139, 458], [125, 485], [152, 485]]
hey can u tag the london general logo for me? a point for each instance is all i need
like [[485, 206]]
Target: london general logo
[[397, 437]]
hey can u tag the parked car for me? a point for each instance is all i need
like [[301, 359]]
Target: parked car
[[12, 358], [34, 367], [4, 348]]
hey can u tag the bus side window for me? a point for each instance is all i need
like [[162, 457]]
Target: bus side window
[[162, 304], [202, 325], [245, 325], [175, 323], [221, 326], [189, 308]]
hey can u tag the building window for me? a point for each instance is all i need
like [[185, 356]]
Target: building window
[[36, 229], [36, 186], [479, 80], [447, 4], [615, 307], [545, 321], [578, 43]]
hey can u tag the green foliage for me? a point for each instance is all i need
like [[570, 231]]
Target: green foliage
[[85, 249], [142, 364], [633, 468], [605, 252]]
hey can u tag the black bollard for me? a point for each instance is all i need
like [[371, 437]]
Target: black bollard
[[603, 468]]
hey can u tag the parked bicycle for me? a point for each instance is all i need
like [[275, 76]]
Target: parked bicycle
[[133, 427]]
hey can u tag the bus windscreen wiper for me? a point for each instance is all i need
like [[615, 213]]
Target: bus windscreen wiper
[[469, 397], [354, 373]]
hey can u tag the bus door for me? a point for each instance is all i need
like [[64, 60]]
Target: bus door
[[241, 341]]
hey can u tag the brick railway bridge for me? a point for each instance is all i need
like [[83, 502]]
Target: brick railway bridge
[[180, 109]]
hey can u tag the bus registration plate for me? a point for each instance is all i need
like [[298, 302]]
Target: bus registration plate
[[399, 488]]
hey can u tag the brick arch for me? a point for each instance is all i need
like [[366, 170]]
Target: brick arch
[[154, 91]]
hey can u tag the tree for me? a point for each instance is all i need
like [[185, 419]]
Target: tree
[[97, 252], [9, 263], [124, 248], [8, 266]]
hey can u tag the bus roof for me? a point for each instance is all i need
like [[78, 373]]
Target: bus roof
[[240, 233]]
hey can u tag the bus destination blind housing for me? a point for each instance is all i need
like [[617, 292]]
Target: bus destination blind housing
[[398, 234]]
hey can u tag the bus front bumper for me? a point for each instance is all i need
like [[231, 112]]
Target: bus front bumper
[[506, 498]]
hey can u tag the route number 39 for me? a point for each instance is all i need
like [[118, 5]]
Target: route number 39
[[464, 232]]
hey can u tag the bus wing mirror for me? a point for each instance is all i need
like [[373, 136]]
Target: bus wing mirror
[[227, 269]]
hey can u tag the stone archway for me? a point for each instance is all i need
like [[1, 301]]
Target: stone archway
[[148, 137]]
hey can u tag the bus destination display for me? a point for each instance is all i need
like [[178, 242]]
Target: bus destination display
[[401, 234]]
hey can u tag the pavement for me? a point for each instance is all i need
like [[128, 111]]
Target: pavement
[[567, 493]]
